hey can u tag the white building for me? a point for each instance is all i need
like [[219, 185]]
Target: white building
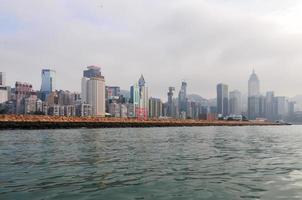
[[93, 93]]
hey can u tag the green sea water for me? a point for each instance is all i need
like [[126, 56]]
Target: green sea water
[[152, 163]]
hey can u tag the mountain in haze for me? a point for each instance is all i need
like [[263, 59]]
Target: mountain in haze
[[197, 98]]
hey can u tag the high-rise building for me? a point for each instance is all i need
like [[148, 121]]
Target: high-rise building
[[2, 79], [139, 99], [222, 99], [93, 92], [142, 111], [48, 82], [235, 103], [155, 108], [170, 102], [281, 107], [134, 100], [269, 105], [182, 99], [253, 107], [253, 85], [255, 101]]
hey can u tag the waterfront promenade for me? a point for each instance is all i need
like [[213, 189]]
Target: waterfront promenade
[[55, 122]]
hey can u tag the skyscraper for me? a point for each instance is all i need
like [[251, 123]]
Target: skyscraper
[[235, 103], [281, 103], [254, 100], [182, 99], [222, 99], [93, 91], [253, 85], [134, 100], [48, 82], [269, 105], [170, 102], [143, 109]]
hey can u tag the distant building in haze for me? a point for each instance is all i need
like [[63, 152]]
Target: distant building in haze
[[270, 111], [254, 100], [253, 85], [170, 106], [222, 99], [182, 100], [235, 103]]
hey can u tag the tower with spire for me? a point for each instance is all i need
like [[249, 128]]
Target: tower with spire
[[253, 85], [255, 100], [140, 100]]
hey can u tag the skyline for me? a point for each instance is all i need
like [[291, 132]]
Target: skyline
[[183, 40], [164, 96]]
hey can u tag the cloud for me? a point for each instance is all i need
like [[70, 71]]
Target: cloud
[[203, 42]]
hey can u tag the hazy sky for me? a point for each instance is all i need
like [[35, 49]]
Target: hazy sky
[[201, 41]]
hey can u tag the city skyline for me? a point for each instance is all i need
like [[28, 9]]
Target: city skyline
[[165, 88], [184, 40]]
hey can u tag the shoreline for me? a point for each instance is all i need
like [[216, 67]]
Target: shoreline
[[13, 122]]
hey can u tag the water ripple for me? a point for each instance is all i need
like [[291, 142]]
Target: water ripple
[[155, 163]]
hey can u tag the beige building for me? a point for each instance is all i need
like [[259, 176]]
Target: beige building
[[93, 93]]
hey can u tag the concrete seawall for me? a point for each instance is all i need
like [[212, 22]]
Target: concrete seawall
[[55, 122]]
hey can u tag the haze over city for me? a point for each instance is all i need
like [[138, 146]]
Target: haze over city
[[202, 42]]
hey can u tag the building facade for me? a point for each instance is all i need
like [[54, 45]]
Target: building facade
[[222, 99], [182, 100], [93, 90], [48, 84], [155, 108], [235, 103]]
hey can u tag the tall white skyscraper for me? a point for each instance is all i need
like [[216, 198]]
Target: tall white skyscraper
[[253, 85], [93, 93]]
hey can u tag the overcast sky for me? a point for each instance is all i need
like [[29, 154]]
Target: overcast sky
[[201, 41]]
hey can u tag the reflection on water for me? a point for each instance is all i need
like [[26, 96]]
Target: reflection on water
[[154, 163]]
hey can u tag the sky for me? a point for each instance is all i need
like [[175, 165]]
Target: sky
[[203, 42]]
